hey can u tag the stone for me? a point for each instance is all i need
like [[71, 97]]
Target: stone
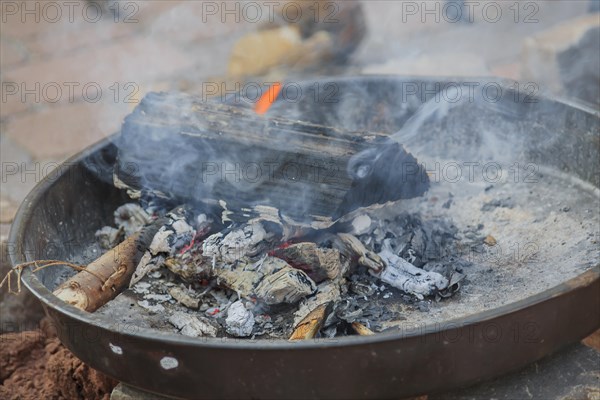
[[564, 59], [8, 210], [257, 52]]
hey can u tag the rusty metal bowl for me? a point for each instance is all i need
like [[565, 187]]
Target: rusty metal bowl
[[58, 219]]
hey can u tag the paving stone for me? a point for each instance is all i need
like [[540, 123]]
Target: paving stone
[[12, 52], [13, 186], [187, 22], [4, 231], [134, 60], [8, 210], [573, 373], [67, 38], [12, 24], [62, 131], [12, 105]]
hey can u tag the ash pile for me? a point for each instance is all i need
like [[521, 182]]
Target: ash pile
[[271, 278], [314, 255]]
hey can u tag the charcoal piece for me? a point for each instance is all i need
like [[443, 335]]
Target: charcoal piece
[[362, 289], [188, 148], [327, 292], [108, 237], [287, 285], [318, 263], [356, 251], [171, 236], [131, 218], [349, 311], [245, 241], [184, 298], [190, 325], [498, 203]]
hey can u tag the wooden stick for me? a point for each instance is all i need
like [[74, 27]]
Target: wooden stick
[[310, 325], [106, 277], [361, 329]]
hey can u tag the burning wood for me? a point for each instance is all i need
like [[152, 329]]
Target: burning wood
[[255, 264], [193, 326], [184, 298], [361, 329], [310, 325], [287, 285], [304, 170], [288, 254], [127, 263], [104, 278], [318, 263]]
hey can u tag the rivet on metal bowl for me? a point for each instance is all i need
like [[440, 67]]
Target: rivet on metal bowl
[[116, 349], [169, 362]]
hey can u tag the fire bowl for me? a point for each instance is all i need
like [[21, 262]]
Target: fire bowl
[[556, 139]]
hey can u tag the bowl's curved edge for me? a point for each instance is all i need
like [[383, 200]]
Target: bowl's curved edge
[[544, 322]]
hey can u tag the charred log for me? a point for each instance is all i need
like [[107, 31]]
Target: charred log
[[231, 154]]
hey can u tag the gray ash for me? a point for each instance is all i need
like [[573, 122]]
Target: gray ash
[[253, 279]]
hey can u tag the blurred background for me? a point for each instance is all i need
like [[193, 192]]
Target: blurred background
[[72, 70]]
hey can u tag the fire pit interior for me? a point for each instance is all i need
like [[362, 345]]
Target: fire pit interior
[[473, 228]]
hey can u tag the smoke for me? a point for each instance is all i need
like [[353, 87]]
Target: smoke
[[186, 46]]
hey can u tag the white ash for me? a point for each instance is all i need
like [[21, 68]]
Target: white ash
[[181, 227], [361, 225], [152, 308], [193, 326], [108, 237], [403, 275], [327, 291], [141, 287], [147, 264], [169, 239], [159, 298], [160, 242], [131, 218], [183, 297], [248, 240], [240, 320], [287, 285]]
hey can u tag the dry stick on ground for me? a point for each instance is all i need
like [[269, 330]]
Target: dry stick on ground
[[106, 277]]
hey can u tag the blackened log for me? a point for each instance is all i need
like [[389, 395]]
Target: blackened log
[[192, 149]]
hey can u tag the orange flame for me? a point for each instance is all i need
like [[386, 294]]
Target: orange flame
[[267, 99]]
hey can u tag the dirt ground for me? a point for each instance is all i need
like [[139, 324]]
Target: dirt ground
[[35, 365]]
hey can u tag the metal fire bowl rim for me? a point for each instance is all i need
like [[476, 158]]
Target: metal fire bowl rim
[[18, 231]]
